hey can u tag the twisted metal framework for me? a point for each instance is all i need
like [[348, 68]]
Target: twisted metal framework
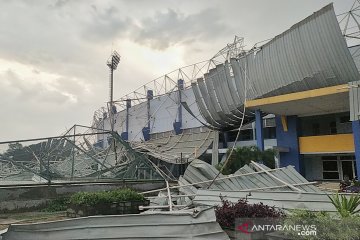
[[77, 154], [168, 82], [349, 22]]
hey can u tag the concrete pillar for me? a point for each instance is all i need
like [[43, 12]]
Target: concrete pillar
[[356, 134], [215, 150], [259, 130], [287, 137]]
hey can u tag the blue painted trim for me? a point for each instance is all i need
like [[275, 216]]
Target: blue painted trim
[[150, 94], [290, 140], [124, 136], [99, 144], [259, 130], [356, 134], [177, 127], [146, 133]]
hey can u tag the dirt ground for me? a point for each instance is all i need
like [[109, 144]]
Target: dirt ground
[[29, 217]]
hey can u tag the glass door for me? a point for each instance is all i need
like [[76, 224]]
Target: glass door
[[348, 169]]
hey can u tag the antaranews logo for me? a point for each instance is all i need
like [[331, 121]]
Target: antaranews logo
[[244, 227], [258, 227]]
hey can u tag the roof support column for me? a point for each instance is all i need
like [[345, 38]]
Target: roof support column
[[178, 124], [146, 130], [259, 130], [287, 137], [356, 133]]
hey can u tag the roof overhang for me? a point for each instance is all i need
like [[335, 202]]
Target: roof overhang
[[306, 103]]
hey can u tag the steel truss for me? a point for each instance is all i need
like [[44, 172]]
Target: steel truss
[[75, 155], [350, 24], [168, 82]]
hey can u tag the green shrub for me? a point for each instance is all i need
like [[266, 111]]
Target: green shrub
[[346, 206], [244, 155], [94, 198], [329, 227], [57, 205], [125, 194]]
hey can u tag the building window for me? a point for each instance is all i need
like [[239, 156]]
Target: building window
[[330, 170], [337, 167], [316, 129], [333, 129], [345, 119], [246, 135], [270, 133]]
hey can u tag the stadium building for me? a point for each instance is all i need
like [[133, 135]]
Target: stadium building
[[297, 93]]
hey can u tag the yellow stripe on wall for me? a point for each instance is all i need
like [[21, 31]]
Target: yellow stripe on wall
[[298, 95], [327, 144]]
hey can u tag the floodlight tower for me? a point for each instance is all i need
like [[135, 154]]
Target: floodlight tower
[[112, 63]]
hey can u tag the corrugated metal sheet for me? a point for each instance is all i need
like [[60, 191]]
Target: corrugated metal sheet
[[311, 54], [208, 97], [203, 106], [170, 149], [215, 102], [153, 225], [230, 83], [223, 106], [354, 99], [199, 171], [285, 200]]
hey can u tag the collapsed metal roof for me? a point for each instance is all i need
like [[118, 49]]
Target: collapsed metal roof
[[282, 188], [253, 177], [192, 224], [311, 54], [284, 200], [178, 149]]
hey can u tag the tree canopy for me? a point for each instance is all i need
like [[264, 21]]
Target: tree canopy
[[244, 155]]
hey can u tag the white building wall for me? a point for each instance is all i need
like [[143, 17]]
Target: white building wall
[[137, 121], [119, 123], [164, 111], [188, 120]]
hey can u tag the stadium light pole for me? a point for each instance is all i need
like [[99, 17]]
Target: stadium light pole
[[112, 63]]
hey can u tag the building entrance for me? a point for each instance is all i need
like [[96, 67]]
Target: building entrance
[[338, 167]]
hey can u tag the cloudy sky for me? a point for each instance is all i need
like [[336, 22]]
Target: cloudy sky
[[53, 53]]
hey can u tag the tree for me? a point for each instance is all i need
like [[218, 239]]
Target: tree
[[15, 151], [244, 155]]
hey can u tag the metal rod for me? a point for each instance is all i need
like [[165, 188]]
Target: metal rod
[[48, 138], [155, 207], [169, 196], [276, 178], [175, 196], [73, 157]]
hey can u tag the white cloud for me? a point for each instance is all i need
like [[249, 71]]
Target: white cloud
[[53, 53]]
